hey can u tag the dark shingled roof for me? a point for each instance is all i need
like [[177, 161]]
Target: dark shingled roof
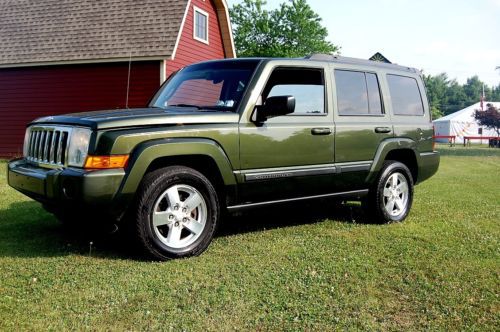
[[33, 31]]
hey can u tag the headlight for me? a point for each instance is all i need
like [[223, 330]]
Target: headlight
[[26, 142], [78, 147]]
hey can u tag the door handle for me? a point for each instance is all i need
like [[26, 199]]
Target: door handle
[[382, 130], [321, 131]]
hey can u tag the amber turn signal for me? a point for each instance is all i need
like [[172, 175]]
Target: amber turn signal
[[105, 162]]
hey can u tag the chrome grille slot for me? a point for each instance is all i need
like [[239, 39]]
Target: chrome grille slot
[[47, 145], [52, 146], [39, 156], [46, 139]]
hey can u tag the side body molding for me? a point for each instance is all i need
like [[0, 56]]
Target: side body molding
[[146, 153], [384, 148]]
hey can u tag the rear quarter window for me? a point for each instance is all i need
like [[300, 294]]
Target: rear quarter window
[[405, 95]]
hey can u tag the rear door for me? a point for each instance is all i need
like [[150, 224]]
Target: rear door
[[361, 121]]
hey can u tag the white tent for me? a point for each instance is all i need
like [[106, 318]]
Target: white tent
[[462, 123]]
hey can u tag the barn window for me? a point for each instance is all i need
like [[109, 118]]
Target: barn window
[[200, 29]]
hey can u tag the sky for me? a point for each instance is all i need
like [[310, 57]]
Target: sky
[[461, 37]]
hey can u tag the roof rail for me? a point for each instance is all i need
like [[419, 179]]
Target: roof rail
[[355, 61]]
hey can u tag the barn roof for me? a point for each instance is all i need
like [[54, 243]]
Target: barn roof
[[44, 31]]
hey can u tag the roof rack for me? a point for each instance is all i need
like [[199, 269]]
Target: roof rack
[[355, 61]]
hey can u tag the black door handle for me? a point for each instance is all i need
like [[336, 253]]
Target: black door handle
[[321, 131], [382, 130]]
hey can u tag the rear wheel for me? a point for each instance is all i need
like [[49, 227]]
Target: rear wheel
[[177, 213], [391, 197]]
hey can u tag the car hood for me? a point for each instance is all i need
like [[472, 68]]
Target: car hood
[[140, 117]]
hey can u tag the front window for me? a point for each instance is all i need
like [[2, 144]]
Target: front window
[[217, 85], [306, 85]]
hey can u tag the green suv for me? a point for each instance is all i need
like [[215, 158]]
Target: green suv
[[229, 135]]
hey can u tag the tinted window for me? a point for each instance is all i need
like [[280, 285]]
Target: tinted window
[[351, 92], [306, 85], [357, 93], [198, 91], [405, 95], [218, 85], [374, 102]]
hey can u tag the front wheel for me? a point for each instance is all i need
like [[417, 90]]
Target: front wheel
[[177, 213], [391, 197]]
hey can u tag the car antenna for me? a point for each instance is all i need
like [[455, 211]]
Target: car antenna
[[128, 78]]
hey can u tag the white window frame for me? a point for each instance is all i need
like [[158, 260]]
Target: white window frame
[[204, 13]]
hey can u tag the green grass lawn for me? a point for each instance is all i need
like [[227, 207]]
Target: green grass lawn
[[281, 270]]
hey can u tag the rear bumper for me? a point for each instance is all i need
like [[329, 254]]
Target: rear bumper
[[427, 165], [63, 188]]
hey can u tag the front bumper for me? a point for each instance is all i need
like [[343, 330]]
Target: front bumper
[[61, 188]]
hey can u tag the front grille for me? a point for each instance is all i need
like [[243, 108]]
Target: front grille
[[48, 145]]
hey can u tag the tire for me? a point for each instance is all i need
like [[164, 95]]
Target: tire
[[391, 197], [176, 214]]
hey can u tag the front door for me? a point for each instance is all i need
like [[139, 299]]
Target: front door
[[289, 156]]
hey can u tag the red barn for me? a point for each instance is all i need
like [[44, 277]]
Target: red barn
[[63, 56]]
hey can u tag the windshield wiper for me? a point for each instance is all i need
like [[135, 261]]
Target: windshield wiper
[[205, 108], [186, 105]]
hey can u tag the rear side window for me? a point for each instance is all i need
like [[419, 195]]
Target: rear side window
[[358, 93], [405, 95]]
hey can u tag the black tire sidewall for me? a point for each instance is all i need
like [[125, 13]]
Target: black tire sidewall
[[391, 167], [154, 186]]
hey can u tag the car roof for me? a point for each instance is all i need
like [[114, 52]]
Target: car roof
[[356, 61], [330, 58]]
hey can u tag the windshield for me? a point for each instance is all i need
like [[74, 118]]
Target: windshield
[[217, 85]]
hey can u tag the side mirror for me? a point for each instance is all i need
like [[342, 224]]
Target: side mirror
[[274, 106]]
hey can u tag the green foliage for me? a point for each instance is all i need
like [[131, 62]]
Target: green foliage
[[297, 268], [473, 89], [489, 118], [436, 113], [436, 93], [495, 93], [456, 98], [292, 30], [447, 96]]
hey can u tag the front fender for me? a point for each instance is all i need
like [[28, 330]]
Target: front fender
[[145, 153]]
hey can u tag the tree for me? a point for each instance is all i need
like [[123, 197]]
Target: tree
[[445, 96], [495, 93], [292, 30], [435, 113], [473, 89], [456, 98], [436, 93], [490, 118], [448, 96]]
